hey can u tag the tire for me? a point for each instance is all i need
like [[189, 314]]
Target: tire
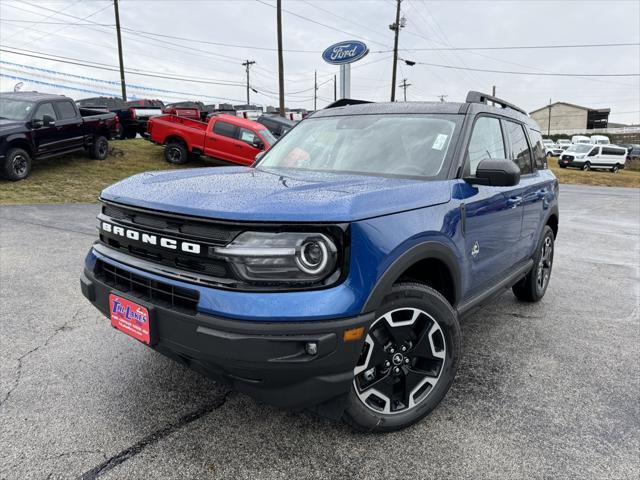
[[549, 154], [562, 166], [586, 167], [403, 359], [533, 287], [17, 165], [120, 133], [176, 153], [615, 168], [100, 148], [131, 134]]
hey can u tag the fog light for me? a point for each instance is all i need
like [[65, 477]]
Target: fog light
[[311, 348]]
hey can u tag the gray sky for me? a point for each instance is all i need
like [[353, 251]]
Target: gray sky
[[251, 24]]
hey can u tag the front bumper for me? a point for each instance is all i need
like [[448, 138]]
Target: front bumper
[[576, 162], [266, 360]]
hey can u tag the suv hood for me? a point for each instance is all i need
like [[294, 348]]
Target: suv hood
[[7, 125], [247, 194]]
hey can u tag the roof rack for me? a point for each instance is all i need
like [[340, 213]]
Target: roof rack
[[479, 97], [343, 102]]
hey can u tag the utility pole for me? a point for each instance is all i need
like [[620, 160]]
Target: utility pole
[[549, 124], [247, 64], [122, 82], [280, 59], [335, 89], [404, 85], [315, 90], [493, 91], [442, 97], [396, 28]]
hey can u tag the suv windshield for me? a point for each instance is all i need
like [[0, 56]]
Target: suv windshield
[[14, 109], [403, 145], [579, 148]]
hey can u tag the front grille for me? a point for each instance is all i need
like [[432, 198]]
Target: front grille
[[177, 298], [207, 235], [567, 157]]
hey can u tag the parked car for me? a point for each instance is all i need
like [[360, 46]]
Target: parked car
[[225, 137], [276, 124], [588, 156], [580, 139], [633, 153], [190, 113], [550, 148], [37, 125], [132, 116], [600, 140], [563, 143], [332, 274]]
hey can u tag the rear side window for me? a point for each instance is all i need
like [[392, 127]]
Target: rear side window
[[66, 110], [45, 109], [486, 142], [612, 151], [520, 152], [225, 129], [538, 149]]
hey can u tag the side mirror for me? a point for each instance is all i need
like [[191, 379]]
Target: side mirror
[[36, 123], [259, 144], [48, 121], [496, 172]]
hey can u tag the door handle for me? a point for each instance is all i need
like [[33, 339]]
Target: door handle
[[513, 202], [238, 146]]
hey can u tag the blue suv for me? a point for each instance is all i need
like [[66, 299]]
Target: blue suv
[[332, 274]]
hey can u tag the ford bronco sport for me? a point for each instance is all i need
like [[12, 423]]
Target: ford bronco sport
[[331, 275]]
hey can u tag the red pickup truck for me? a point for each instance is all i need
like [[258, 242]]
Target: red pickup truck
[[225, 137]]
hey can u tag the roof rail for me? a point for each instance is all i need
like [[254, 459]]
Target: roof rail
[[343, 102], [478, 97]]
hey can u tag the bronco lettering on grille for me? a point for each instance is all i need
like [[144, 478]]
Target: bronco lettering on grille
[[151, 239]]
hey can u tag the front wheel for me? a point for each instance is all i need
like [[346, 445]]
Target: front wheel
[[533, 287], [408, 361], [586, 167], [17, 165]]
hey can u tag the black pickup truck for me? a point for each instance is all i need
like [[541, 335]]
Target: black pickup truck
[[132, 116], [37, 125]]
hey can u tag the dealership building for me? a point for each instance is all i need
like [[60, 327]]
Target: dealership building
[[567, 116]]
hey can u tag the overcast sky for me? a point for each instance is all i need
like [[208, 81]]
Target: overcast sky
[[251, 25]]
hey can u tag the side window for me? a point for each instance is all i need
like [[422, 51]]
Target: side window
[[66, 110], [520, 152], [225, 129], [538, 150], [45, 109], [595, 151], [247, 136], [486, 142]]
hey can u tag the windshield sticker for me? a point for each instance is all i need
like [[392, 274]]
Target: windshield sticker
[[440, 141]]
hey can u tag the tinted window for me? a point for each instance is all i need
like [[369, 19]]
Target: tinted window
[[66, 110], [538, 149], [45, 109], [486, 142], [519, 146], [226, 129], [612, 151], [594, 151]]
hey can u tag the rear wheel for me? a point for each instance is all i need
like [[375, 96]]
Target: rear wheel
[[17, 165], [586, 167], [100, 148], [533, 287], [408, 362], [131, 134], [176, 153], [615, 168]]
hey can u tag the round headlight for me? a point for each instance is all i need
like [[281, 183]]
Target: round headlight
[[313, 256]]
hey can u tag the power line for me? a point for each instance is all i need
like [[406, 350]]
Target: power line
[[543, 74]]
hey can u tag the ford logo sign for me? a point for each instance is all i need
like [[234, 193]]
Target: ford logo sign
[[345, 52]]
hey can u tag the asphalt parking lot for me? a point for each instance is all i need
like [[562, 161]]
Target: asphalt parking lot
[[544, 391]]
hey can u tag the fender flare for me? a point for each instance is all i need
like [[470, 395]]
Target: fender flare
[[22, 139], [172, 137], [422, 251]]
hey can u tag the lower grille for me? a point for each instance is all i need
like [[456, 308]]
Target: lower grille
[[177, 298]]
